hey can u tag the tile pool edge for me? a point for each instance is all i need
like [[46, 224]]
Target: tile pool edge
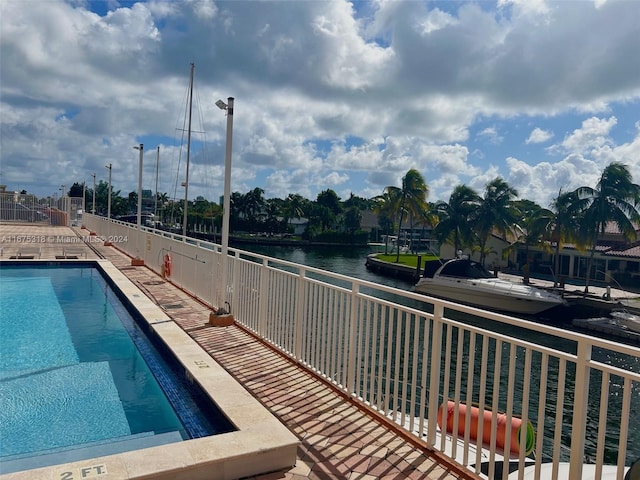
[[261, 444]]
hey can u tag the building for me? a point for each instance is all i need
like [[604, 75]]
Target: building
[[616, 261]]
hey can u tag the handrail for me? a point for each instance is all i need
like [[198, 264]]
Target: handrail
[[401, 353]]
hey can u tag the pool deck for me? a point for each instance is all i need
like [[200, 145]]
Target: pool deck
[[338, 440]]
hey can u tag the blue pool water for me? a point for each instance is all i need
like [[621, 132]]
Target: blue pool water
[[77, 371]]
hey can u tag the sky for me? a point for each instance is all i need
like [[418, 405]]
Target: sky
[[334, 95]]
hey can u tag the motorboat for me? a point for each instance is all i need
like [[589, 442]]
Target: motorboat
[[628, 320], [465, 281]]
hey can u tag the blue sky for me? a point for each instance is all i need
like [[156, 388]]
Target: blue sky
[[347, 96]]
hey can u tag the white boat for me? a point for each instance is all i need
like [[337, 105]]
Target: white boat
[[630, 321], [465, 281]]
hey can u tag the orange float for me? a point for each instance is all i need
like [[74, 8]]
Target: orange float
[[167, 265], [502, 430]]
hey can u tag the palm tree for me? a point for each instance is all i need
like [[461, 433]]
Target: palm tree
[[327, 207], [386, 208], [254, 205], [563, 226], [496, 212], [427, 218], [614, 199], [271, 214], [236, 207], [533, 227], [413, 199], [454, 226], [293, 207]]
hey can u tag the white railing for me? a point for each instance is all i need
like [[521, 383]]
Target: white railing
[[404, 355]]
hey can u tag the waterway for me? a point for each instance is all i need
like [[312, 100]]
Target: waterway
[[344, 260], [351, 262]]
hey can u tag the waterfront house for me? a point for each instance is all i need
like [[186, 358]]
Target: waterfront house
[[616, 261]]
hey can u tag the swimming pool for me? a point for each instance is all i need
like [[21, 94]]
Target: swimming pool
[[79, 375]]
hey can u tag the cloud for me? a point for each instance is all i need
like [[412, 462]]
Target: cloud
[[594, 133], [351, 95], [543, 181], [539, 135], [491, 135]]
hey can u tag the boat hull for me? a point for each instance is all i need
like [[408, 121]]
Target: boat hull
[[630, 321], [489, 295]]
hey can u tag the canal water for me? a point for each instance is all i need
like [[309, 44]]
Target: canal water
[[344, 260], [351, 262]]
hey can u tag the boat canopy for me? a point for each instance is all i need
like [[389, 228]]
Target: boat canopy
[[464, 269]]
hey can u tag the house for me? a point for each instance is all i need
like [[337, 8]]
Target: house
[[616, 261], [298, 225]]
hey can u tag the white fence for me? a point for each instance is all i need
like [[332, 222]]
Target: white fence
[[404, 356], [26, 208]]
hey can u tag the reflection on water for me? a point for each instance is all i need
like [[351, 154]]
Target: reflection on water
[[351, 262]]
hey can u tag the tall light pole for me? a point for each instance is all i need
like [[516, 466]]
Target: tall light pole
[[140, 148], [155, 209], [93, 209], [63, 203], [227, 197], [109, 193]]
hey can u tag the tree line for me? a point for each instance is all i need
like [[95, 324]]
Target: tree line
[[328, 217], [466, 221], [468, 218]]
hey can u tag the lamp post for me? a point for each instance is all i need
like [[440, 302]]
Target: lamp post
[[155, 208], [109, 192], [227, 198], [140, 148], [93, 208], [64, 203]]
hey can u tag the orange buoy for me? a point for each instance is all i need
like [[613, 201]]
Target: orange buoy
[[167, 265], [502, 430]]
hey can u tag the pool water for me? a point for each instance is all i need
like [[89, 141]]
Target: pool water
[[77, 370]]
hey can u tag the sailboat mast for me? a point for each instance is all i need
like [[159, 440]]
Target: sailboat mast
[[186, 183]]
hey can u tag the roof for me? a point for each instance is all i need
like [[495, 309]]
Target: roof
[[612, 228], [632, 251]]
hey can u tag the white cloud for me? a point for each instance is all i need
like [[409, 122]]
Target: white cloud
[[538, 135], [594, 133], [527, 7], [204, 9], [491, 135], [325, 92], [436, 20]]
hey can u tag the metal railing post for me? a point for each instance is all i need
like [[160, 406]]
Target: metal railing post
[[579, 419], [233, 265], [264, 298], [434, 383], [353, 329], [300, 316]]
